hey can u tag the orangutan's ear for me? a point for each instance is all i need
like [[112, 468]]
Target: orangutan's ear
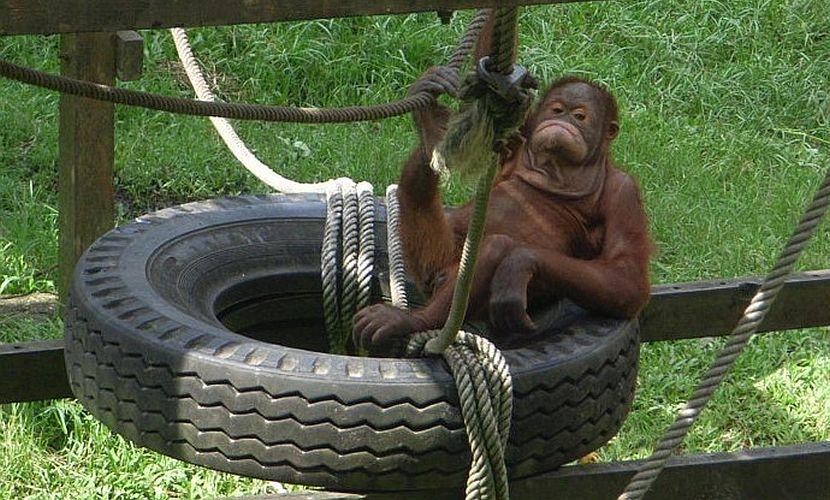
[[613, 130]]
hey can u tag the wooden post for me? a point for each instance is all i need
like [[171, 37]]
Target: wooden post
[[87, 142], [129, 55]]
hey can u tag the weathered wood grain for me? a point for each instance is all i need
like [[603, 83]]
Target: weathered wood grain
[[129, 55], [87, 151], [19, 17]]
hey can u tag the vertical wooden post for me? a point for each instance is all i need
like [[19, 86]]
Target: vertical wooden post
[[87, 151]]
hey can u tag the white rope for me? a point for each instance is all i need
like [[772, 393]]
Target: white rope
[[351, 251], [330, 263], [348, 240], [350, 215], [366, 256], [397, 269], [235, 144]]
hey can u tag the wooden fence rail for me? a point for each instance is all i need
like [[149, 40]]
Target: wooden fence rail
[[19, 17]]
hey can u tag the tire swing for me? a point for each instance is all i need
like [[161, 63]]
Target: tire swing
[[198, 331]]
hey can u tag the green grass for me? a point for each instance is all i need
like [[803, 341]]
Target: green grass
[[726, 109]]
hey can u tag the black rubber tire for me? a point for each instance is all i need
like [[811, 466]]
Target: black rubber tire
[[148, 356]]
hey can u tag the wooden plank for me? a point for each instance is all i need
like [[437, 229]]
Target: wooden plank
[[32, 371], [794, 472], [86, 143], [712, 308], [18, 17], [129, 55], [798, 471], [677, 312]]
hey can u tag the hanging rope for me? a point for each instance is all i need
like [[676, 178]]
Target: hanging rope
[[240, 111], [481, 375], [485, 391], [752, 318], [488, 115]]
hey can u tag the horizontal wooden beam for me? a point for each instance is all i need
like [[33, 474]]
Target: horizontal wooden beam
[[19, 17], [33, 371], [798, 471], [712, 308]]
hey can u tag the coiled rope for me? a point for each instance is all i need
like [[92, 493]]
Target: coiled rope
[[347, 258], [752, 318], [481, 374], [485, 390]]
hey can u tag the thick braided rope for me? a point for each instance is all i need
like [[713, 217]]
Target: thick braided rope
[[485, 393], [397, 269], [504, 42], [239, 111], [480, 372], [330, 262], [503, 56], [748, 324], [468, 41], [469, 255], [366, 255], [347, 258], [351, 241]]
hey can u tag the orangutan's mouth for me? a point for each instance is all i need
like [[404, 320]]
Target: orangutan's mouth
[[567, 127]]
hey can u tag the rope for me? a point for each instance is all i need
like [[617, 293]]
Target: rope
[[748, 324], [485, 393], [397, 269], [469, 255], [350, 252], [505, 35], [503, 54], [485, 389], [366, 252], [329, 264], [226, 131], [347, 258], [240, 111]]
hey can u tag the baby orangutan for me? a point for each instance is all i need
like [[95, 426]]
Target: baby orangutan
[[563, 222]]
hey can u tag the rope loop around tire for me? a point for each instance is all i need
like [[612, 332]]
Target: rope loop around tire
[[347, 259], [485, 393]]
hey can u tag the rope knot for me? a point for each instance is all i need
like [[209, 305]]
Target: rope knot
[[493, 107], [511, 87], [485, 393]]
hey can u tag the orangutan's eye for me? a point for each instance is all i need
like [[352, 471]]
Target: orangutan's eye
[[579, 115], [557, 109]]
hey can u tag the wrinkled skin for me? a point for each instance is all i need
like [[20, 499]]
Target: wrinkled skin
[[563, 222]]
